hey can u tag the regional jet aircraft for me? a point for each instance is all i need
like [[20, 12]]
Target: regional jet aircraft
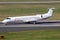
[[28, 19]]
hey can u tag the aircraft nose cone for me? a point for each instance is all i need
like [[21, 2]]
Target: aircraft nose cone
[[4, 21]]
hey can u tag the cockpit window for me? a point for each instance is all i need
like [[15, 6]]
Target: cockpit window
[[8, 18]]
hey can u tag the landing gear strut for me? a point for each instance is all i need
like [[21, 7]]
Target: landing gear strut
[[34, 22], [5, 24]]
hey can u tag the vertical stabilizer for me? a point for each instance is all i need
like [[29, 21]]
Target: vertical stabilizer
[[50, 11], [47, 15]]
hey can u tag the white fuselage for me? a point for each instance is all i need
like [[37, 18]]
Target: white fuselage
[[33, 18]]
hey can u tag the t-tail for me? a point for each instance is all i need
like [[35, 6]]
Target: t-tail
[[48, 14], [50, 11]]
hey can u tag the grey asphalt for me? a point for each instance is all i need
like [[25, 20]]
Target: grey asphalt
[[33, 2], [25, 27]]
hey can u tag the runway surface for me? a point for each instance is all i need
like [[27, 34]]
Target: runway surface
[[43, 25], [33, 2]]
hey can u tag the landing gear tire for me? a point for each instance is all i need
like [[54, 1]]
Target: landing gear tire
[[34, 22], [5, 24], [31, 22]]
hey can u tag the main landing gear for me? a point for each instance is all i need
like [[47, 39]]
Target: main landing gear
[[34, 22]]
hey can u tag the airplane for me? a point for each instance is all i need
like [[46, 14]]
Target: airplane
[[28, 19]]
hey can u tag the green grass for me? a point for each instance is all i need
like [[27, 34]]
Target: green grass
[[25, 0], [51, 34], [31, 9]]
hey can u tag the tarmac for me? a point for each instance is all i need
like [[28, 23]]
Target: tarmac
[[32, 2], [43, 25]]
